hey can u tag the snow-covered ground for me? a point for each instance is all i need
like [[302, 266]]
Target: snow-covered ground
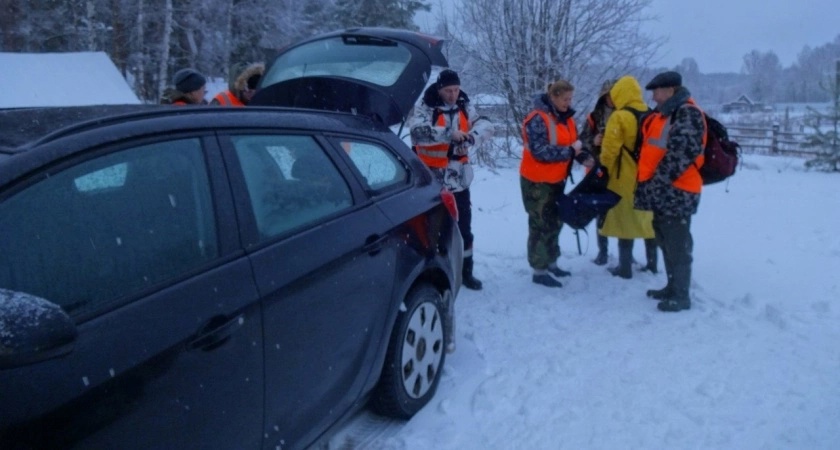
[[755, 364]]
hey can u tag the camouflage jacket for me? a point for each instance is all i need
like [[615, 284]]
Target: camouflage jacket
[[423, 126], [537, 133], [685, 144]]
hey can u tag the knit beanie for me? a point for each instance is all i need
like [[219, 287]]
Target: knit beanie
[[448, 78], [188, 80]]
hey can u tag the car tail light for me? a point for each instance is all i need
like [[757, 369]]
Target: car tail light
[[449, 200]]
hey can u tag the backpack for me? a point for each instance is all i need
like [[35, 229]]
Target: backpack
[[721, 154], [637, 146], [640, 119]]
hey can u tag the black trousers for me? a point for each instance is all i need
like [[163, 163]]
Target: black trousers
[[462, 199], [673, 235]]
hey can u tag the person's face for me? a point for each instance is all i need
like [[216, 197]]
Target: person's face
[[449, 94], [247, 94], [562, 101], [662, 94], [197, 96], [609, 101]]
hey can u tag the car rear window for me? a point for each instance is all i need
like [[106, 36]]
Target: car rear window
[[376, 61]]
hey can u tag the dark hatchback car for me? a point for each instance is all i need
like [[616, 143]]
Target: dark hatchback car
[[215, 277]]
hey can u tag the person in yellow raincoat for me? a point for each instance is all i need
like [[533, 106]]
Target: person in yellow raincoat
[[623, 221]]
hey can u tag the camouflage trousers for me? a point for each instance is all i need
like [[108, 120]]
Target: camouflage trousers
[[543, 221]]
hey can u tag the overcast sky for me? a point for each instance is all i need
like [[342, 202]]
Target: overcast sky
[[718, 33]]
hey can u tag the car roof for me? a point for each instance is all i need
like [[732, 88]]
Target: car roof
[[21, 129]]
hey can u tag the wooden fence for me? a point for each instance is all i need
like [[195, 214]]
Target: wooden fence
[[771, 141]]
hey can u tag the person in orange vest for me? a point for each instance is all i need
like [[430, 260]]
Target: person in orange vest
[[669, 182], [242, 86], [190, 88], [444, 126], [550, 144]]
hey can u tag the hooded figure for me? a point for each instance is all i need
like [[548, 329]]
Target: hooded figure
[[242, 85], [624, 221]]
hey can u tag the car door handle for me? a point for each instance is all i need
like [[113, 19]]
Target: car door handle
[[216, 332], [374, 244]]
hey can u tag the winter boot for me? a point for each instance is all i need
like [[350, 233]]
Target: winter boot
[[601, 259], [679, 279], [542, 277], [661, 294], [558, 272], [468, 280], [651, 252], [625, 259]]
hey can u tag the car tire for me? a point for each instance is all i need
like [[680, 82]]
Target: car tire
[[416, 355]]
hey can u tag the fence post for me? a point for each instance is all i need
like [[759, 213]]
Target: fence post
[[774, 143]]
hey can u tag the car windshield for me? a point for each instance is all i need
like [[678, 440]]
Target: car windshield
[[374, 60]]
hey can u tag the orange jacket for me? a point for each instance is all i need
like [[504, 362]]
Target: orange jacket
[[558, 134], [656, 130], [227, 98], [436, 155]]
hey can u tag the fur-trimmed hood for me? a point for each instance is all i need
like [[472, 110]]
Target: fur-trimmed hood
[[240, 82]]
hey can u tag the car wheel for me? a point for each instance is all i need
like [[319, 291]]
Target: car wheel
[[415, 358]]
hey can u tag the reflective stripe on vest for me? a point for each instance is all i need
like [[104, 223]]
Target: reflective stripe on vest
[[436, 155], [558, 134], [227, 98], [656, 132]]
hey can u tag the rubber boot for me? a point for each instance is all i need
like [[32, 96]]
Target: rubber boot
[[625, 259], [601, 259], [680, 279], [651, 252], [468, 280]]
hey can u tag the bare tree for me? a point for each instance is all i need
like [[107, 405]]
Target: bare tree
[[163, 65], [764, 70], [522, 45]]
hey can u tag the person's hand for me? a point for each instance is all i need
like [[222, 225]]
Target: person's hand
[[577, 145], [458, 136], [598, 139]]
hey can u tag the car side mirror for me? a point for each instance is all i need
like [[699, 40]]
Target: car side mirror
[[32, 330]]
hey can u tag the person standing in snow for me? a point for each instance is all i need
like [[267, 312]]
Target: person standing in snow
[[623, 220], [591, 136], [669, 181], [242, 86], [190, 88], [550, 143], [444, 126]]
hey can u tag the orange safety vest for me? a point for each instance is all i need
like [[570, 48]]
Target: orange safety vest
[[227, 98], [558, 134], [656, 130], [436, 155], [180, 103]]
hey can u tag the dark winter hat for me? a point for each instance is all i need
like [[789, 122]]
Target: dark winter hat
[[448, 78], [665, 79], [188, 80]]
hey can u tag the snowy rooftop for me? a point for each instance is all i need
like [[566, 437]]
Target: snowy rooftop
[[62, 79]]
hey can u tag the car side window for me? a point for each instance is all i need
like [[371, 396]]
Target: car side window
[[109, 227], [291, 182], [379, 167]]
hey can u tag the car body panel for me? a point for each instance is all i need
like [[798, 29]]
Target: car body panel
[[272, 342]]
